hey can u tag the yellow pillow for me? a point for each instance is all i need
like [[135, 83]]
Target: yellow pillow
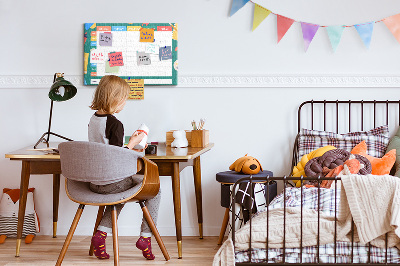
[[298, 170]]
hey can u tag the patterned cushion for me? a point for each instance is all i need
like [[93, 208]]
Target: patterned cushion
[[377, 139]]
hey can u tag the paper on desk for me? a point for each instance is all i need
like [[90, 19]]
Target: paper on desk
[[44, 149]]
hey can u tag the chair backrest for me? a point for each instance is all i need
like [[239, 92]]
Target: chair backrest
[[93, 162]]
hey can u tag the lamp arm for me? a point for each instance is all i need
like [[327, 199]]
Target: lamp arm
[[48, 133], [51, 114]]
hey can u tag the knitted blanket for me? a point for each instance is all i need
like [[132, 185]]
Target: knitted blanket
[[372, 201]]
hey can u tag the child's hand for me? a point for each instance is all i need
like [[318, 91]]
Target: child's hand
[[142, 150], [135, 139]]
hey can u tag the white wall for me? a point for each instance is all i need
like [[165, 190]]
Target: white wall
[[42, 37]]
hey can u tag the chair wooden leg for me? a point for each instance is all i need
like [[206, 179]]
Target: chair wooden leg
[[98, 220], [70, 234], [115, 235], [223, 227], [154, 230]]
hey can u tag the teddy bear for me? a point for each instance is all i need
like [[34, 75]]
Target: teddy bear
[[180, 140], [9, 205]]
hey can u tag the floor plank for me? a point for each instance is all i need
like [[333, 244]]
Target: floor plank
[[44, 250]]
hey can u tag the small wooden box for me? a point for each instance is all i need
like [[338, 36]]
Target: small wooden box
[[200, 138], [170, 138]]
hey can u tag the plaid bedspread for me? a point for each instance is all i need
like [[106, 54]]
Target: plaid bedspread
[[326, 252], [310, 199]]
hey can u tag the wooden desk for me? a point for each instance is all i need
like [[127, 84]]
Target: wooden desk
[[170, 162]]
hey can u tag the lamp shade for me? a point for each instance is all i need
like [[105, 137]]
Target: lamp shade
[[62, 90]]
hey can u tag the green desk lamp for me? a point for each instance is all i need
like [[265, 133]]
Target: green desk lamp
[[61, 90]]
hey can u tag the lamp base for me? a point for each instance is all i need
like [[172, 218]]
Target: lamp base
[[45, 139]]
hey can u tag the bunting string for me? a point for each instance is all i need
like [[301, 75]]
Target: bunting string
[[321, 26], [309, 29]]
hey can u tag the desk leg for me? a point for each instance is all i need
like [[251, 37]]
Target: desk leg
[[25, 175], [176, 190], [197, 187], [56, 199]]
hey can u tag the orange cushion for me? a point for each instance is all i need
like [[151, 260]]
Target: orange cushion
[[380, 166]]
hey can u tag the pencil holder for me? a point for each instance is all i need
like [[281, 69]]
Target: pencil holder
[[199, 138]]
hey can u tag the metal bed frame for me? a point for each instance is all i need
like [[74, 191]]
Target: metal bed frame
[[338, 106]]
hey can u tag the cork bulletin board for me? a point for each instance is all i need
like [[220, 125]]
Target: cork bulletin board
[[147, 51]]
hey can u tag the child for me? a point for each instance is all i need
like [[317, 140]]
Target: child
[[110, 98]]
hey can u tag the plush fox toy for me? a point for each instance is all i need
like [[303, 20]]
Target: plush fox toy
[[246, 165], [9, 205]]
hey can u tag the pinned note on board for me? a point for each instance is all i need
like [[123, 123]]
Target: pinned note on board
[[151, 48], [97, 56], [165, 53], [105, 39], [116, 59], [137, 89], [110, 69], [143, 59], [147, 35]]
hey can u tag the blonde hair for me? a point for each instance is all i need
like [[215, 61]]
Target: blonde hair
[[109, 93]]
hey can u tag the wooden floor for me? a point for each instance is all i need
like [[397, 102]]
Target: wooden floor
[[44, 250]]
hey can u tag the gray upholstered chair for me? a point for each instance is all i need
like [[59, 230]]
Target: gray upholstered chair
[[83, 162]]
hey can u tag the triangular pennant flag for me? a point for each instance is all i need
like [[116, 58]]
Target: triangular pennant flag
[[260, 13], [335, 34], [365, 32], [393, 23], [236, 5], [309, 31], [283, 24]]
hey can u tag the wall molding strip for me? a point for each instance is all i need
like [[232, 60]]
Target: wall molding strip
[[186, 81]]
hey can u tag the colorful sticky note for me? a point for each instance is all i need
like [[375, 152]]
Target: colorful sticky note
[[137, 89], [165, 53], [110, 69], [151, 48], [105, 39], [116, 59], [143, 59], [147, 35], [97, 56]]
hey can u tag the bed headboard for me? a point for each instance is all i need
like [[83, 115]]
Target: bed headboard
[[347, 113], [347, 116]]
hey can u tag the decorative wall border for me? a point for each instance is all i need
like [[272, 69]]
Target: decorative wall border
[[298, 81]]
